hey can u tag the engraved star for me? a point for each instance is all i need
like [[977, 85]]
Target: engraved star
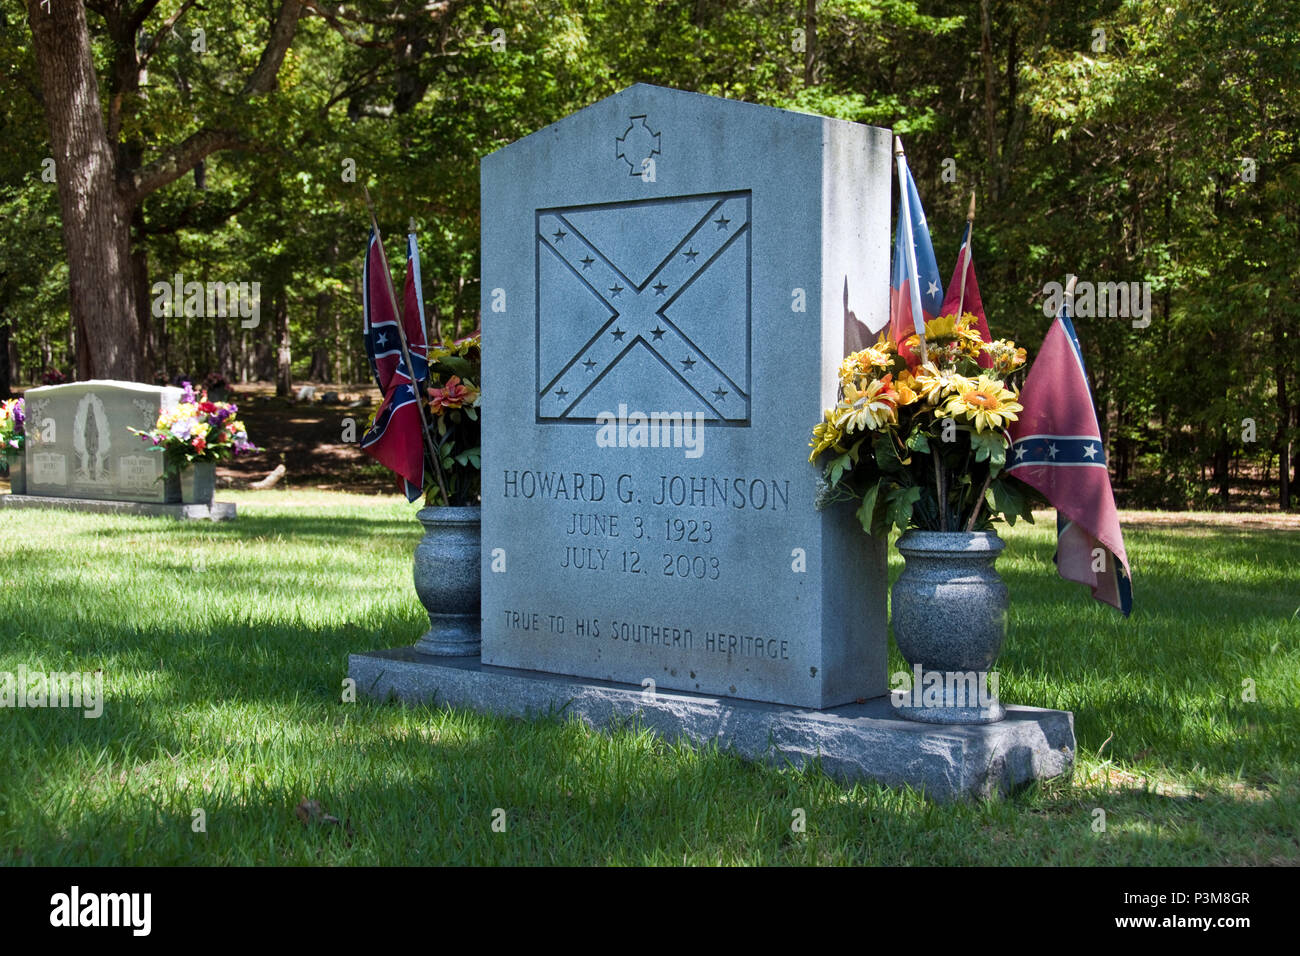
[[614, 290], [590, 364], [1051, 451], [659, 287], [690, 254], [658, 333], [559, 235], [587, 261], [1090, 452], [720, 393], [688, 363], [618, 334], [722, 223], [560, 393]]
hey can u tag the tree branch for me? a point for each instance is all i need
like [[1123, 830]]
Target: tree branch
[[163, 30], [135, 19], [262, 79], [179, 160], [201, 216]]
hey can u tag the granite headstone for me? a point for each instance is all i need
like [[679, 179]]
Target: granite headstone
[[669, 284], [79, 443]]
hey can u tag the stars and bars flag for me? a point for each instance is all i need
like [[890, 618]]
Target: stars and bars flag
[[968, 300], [915, 289], [645, 303], [1056, 447], [394, 439]]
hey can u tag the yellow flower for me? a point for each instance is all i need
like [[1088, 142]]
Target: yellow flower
[[985, 402], [865, 362], [825, 435], [870, 408], [907, 388], [935, 384]]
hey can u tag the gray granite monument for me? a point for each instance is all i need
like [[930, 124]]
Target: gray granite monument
[[80, 452], [673, 270], [669, 283]]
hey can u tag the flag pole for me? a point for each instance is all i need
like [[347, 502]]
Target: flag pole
[[970, 234], [406, 353], [910, 249]]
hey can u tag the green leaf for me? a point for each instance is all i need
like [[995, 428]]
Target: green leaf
[[835, 469], [989, 446], [919, 441], [866, 511], [899, 505], [1007, 500], [886, 453]]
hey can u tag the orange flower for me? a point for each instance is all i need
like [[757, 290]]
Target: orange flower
[[454, 394]]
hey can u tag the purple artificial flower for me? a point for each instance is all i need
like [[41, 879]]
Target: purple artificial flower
[[187, 393], [20, 414]]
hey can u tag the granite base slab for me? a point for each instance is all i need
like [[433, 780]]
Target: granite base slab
[[215, 511], [854, 741]]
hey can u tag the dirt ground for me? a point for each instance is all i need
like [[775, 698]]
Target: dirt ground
[[308, 438]]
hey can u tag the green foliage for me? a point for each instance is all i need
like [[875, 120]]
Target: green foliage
[[1116, 155]]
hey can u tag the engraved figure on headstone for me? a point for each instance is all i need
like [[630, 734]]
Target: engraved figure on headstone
[[148, 412], [90, 440]]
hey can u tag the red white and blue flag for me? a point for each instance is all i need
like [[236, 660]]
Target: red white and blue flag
[[394, 440], [1056, 447], [915, 289], [967, 298]]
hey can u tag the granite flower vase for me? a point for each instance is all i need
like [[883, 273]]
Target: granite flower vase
[[17, 471], [198, 483], [949, 610], [448, 569]]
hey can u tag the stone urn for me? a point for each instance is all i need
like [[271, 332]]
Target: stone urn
[[198, 483], [448, 568], [17, 471], [949, 612]]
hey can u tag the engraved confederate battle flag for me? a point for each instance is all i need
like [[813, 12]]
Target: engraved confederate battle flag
[[656, 295]]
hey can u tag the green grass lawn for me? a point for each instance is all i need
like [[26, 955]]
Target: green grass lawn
[[224, 649]]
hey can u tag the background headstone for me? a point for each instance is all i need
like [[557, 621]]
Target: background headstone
[[671, 254], [79, 444]]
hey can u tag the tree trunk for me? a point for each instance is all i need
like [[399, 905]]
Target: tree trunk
[[225, 357], [1282, 443], [810, 43], [96, 220], [320, 354], [283, 371], [6, 383], [1222, 458]]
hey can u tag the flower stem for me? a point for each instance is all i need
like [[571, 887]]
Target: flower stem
[[939, 491], [970, 525]]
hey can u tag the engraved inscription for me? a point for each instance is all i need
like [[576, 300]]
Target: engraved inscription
[[138, 473], [49, 468], [647, 304]]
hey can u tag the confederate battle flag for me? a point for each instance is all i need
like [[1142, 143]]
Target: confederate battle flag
[[394, 440], [1056, 447]]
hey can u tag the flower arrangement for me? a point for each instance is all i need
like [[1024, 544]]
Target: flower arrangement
[[52, 376], [197, 430], [452, 417], [12, 419], [923, 444]]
